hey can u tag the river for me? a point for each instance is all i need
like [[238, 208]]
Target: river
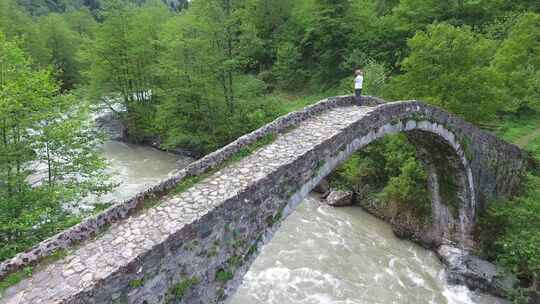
[[320, 254], [133, 168], [323, 255], [136, 168]]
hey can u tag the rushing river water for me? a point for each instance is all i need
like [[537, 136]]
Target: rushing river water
[[137, 168], [133, 169], [320, 255], [324, 255]]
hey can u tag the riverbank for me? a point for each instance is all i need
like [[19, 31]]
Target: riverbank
[[462, 266]]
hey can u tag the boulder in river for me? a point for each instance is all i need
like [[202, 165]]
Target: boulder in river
[[472, 271], [339, 198]]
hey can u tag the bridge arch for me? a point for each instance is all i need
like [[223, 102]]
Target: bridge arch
[[450, 177]]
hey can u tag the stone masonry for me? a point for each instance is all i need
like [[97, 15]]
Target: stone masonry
[[195, 246]]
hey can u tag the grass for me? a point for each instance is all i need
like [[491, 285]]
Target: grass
[[136, 283], [26, 272], [534, 147], [224, 276], [523, 129], [289, 102], [15, 278], [179, 290], [513, 127], [190, 181]]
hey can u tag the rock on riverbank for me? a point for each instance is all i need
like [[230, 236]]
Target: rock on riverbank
[[477, 274], [339, 198]]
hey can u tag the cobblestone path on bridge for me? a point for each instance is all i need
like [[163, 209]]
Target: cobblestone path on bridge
[[123, 242]]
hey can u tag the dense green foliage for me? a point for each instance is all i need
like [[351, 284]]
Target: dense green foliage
[[39, 128], [198, 76], [509, 230], [461, 80], [518, 60], [387, 172], [507, 235]]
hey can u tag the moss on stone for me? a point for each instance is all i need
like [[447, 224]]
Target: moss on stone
[[55, 256], [15, 278], [416, 116], [239, 243], [220, 294], [247, 150], [178, 290], [150, 203], [448, 189], [212, 252], [235, 261], [252, 249], [224, 276], [318, 166], [466, 143], [189, 181], [272, 220], [136, 283], [26, 272]]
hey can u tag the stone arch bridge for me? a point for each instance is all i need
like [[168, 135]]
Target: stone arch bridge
[[195, 245]]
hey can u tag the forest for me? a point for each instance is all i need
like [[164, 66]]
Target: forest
[[198, 74]]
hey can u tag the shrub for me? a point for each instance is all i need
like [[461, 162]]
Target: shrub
[[510, 233]]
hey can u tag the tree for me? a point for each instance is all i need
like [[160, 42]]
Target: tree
[[24, 99], [39, 128], [375, 34], [62, 43], [15, 23], [518, 61], [521, 5], [122, 60], [233, 36], [450, 67], [191, 88], [510, 234], [206, 100], [417, 14], [268, 18], [376, 74], [68, 145], [327, 40], [82, 22]]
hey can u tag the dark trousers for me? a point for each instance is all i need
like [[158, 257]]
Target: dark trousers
[[358, 96]]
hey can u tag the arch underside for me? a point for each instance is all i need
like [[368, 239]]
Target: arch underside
[[450, 180]]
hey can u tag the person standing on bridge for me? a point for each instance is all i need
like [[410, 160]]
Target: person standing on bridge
[[358, 83]]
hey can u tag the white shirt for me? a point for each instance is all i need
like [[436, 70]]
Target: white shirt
[[358, 82]]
